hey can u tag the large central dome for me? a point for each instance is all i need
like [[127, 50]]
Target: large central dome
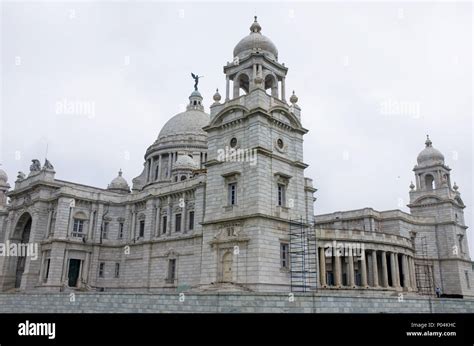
[[185, 128], [255, 42], [189, 122]]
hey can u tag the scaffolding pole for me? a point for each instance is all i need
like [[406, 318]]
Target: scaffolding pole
[[303, 257]]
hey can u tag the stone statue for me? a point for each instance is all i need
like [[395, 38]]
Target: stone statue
[[35, 166], [21, 175], [196, 80], [48, 165]]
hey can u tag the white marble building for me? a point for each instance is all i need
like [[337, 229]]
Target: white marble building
[[222, 203]]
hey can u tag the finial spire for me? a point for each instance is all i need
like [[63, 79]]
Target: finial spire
[[428, 142], [255, 27]]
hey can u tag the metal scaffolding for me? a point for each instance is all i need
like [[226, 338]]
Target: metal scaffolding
[[303, 257], [424, 270]]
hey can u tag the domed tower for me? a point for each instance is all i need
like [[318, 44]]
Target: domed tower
[[433, 183], [255, 66], [255, 188], [434, 198], [119, 184], [4, 187], [184, 134]]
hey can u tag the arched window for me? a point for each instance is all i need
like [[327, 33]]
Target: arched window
[[241, 82], [272, 84], [429, 182], [157, 170], [183, 177]]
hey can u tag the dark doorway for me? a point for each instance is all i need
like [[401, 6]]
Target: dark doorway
[[25, 238], [73, 275]]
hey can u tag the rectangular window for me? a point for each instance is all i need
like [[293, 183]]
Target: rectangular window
[[177, 225], [117, 270], [171, 270], [191, 220], [467, 279], [46, 269], [120, 232], [284, 255], [105, 230], [78, 227], [101, 269], [142, 229], [165, 224], [232, 193], [281, 195]]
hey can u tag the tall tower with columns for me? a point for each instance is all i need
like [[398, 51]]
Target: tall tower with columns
[[255, 172], [443, 245]]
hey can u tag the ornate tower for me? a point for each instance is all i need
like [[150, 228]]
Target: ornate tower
[[443, 245], [255, 172]]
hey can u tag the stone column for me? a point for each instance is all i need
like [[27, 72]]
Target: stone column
[[322, 267], [85, 268], [375, 269], [227, 88], [397, 270], [169, 166], [363, 264], [406, 276], [351, 269], [172, 162], [183, 214], [48, 225], [283, 95], [393, 270], [70, 223], [168, 217], [91, 224], [384, 270], [158, 218], [337, 270], [159, 167], [132, 228], [99, 220], [413, 273], [152, 169], [147, 167]]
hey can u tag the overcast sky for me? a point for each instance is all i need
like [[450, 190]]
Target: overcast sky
[[372, 80]]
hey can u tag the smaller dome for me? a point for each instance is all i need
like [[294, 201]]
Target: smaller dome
[[185, 162], [217, 96], [255, 41], [195, 94], [119, 184], [430, 156]]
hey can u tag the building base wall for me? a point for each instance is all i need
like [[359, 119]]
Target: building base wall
[[227, 303]]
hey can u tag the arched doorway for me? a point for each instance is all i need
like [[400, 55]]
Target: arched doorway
[[227, 260], [21, 235]]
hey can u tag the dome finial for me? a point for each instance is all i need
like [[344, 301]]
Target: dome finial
[[120, 172], [428, 142], [217, 96], [293, 98], [255, 27]]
